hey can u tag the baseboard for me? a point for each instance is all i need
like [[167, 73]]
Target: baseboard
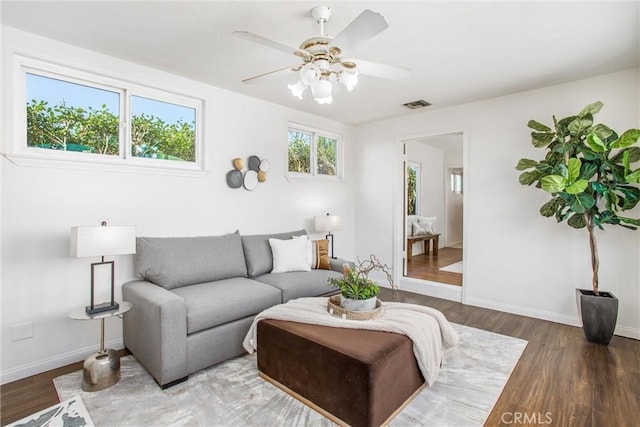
[[432, 289], [29, 369], [621, 330]]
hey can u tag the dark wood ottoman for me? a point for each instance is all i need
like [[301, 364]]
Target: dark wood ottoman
[[351, 376]]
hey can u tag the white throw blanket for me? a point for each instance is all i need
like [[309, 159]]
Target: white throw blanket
[[429, 330]]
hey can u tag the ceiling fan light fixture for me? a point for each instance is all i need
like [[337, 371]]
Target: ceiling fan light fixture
[[297, 89], [322, 68]]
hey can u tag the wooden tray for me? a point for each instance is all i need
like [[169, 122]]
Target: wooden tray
[[333, 307]]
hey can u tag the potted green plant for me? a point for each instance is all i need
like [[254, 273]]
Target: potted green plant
[[357, 291], [587, 170]]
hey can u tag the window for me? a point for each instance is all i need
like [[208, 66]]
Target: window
[[313, 152], [162, 130], [71, 117], [456, 181], [74, 115], [413, 188]]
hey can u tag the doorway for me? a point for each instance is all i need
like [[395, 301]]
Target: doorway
[[433, 214]]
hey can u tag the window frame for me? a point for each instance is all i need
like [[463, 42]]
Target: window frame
[[313, 153], [19, 152]]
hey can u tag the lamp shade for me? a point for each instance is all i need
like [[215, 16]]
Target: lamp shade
[[297, 89], [103, 240], [321, 89], [327, 223]]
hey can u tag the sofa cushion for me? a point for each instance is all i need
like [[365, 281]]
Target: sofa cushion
[[257, 251], [301, 284], [172, 262], [223, 301]]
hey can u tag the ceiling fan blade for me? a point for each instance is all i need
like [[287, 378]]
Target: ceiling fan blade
[[259, 78], [361, 29], [271, 43], [390, 72]]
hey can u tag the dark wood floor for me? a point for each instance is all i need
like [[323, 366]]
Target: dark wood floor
[[560, 380], [560, 374], [427, 267], [24, 397]]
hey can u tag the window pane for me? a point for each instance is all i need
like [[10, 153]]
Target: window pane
[[327, 158], [71, 117], [161, 130], [299, 151], [456, 182], [412, 193]]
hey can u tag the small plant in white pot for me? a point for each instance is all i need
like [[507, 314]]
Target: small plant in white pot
[[587, 170], [357, 291]]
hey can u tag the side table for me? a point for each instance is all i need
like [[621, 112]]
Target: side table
[[102, 369]]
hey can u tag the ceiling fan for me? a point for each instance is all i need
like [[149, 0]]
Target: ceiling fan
[[322, 56]]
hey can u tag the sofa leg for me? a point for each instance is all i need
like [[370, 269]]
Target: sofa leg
[[172, 383]]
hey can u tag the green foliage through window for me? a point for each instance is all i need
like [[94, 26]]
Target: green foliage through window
[[313, 154], [299, 151], [327, 149], [67, 116], [413, 197]]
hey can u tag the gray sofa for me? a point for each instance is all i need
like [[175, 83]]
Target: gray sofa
[[197, 296]]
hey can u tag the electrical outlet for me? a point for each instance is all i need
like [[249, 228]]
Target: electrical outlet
[[21, 331]]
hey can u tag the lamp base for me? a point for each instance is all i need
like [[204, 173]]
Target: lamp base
[[99, 308], [101, 370]]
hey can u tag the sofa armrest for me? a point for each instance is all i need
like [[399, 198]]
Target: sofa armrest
[[155, 330], [337, 263]]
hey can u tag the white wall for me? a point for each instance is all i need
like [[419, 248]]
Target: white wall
[[431, 162], [515, 260], [42, 284]]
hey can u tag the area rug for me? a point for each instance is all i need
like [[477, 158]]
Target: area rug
[[71, 412], [453, 268], [231, 393]]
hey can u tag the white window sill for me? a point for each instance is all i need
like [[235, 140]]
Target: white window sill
[[108, 165], [308, 177]]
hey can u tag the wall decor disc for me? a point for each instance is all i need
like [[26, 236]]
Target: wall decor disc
[[254, 163], [238, 163], [262, 176], [250, 180], [234, 178], [265, 165]]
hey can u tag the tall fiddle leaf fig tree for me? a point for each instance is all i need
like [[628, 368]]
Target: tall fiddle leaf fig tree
[[588, 172]]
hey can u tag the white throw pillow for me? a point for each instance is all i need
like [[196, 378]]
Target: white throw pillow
[[428, 223], [290, 255], [419, 229], [310, 256]]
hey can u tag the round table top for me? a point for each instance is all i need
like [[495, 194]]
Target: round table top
[[81, 314]]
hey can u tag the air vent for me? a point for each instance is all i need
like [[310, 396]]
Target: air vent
[[421, 103]]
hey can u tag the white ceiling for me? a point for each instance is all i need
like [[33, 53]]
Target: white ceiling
[[459, 51]]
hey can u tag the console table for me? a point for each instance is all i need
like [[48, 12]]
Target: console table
[[427, 239]]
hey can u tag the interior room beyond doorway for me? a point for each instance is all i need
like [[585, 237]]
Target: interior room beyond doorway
[[434, 196]]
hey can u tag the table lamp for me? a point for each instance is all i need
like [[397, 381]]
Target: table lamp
[[101, 241], [328, 223]]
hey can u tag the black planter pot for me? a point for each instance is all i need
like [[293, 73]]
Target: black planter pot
[[598, 313]]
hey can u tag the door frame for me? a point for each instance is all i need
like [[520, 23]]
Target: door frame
[[399, 218]]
